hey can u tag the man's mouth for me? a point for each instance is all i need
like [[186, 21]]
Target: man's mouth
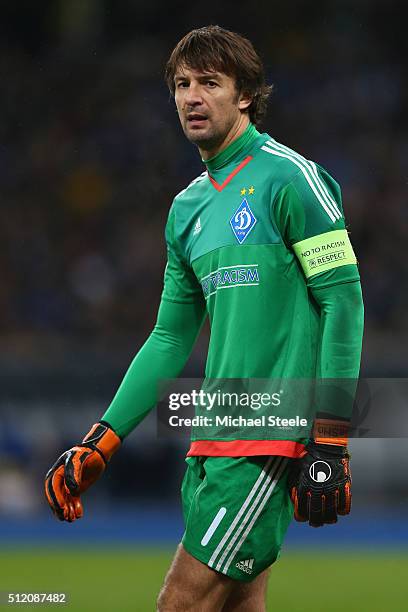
[[196, 119]]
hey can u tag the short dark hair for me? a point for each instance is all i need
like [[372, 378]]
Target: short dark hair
[[214, 49]]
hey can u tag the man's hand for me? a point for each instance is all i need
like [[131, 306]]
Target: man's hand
[[77, 469], [320, 484]]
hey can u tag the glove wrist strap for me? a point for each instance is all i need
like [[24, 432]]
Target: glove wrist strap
[[331, 431], [105, 440]]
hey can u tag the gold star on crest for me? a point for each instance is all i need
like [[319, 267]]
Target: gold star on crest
[[243, 191], [251, 190]]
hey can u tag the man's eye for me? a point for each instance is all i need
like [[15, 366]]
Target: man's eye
[[182, 84], [211, 84]]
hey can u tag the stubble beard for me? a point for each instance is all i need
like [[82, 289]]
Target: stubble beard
[[205, 139], [209, 139]]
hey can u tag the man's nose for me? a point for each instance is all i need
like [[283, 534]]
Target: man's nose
[[193, 96]]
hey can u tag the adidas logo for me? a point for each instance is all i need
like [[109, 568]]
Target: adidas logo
[[197, 227], [245, 566]]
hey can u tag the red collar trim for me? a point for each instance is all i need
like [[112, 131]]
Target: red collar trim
[[231, 176]]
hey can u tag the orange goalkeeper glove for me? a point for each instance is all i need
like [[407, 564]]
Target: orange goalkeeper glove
[[77, 469]]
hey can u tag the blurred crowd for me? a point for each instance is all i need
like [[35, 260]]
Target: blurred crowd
[[91, 155]]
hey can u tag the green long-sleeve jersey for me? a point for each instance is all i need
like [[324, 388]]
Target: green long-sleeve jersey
[[258, 242]]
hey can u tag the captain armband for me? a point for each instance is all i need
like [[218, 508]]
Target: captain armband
[[325, 252]]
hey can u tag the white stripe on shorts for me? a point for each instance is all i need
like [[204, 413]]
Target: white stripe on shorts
[[270, 466], [262, 493], [216, 521], [257, 513]]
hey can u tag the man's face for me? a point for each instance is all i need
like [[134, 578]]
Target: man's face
[[208, 105]]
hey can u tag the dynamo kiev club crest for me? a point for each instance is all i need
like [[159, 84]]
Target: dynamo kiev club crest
[[242, 221]]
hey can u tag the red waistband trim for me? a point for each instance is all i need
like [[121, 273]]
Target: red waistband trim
[[246, 448]]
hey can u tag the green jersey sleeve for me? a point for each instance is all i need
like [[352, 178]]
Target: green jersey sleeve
[[165, 352], [163, 356], [309, 215], [341, 335], [180, 282]]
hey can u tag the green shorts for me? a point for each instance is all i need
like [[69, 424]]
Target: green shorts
[[236, 512]]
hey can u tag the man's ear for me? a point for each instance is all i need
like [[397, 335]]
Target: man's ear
[[244, 101]]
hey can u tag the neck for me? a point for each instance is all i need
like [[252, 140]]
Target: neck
[[234, 150], [235, 132]]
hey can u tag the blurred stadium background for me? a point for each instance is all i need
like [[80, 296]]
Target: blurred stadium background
[[91, 155]]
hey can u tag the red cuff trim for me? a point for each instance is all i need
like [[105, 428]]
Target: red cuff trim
[[246, 448]]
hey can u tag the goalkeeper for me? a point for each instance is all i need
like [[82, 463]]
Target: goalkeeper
[[257, 243]]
